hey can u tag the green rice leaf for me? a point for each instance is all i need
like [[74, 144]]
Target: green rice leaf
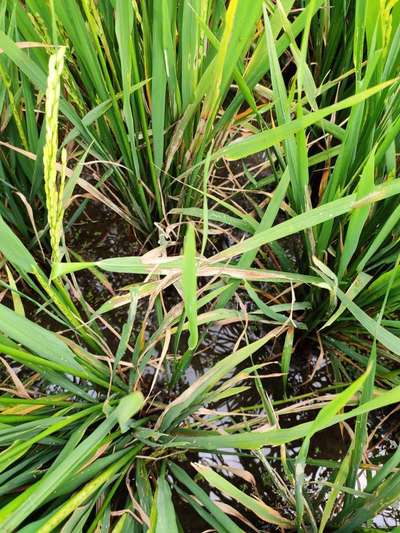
[[189, 283], [263, 511]]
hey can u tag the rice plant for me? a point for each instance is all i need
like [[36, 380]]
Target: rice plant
[[147, 104], [257, 142]]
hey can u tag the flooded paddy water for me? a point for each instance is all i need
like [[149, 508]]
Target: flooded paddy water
[[99, 234]]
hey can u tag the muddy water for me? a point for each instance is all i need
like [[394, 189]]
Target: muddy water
[[100, 234]]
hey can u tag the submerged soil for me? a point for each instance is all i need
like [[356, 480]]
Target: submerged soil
[[99, 233]]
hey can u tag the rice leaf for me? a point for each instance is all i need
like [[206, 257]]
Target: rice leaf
[[189, 283]]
